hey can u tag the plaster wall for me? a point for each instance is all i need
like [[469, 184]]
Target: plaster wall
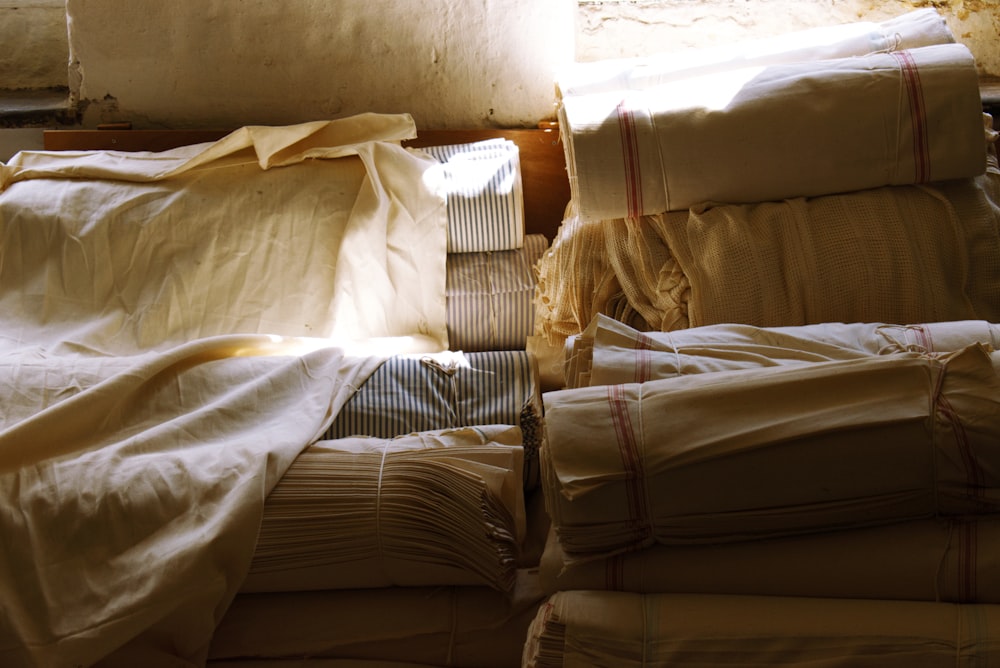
[[613, 29], [35, 47], [463, 63]]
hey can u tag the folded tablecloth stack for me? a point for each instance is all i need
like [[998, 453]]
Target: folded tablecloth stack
[[669, 133], [856, 462]]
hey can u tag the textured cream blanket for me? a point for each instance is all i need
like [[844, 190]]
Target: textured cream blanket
[[161, 366]]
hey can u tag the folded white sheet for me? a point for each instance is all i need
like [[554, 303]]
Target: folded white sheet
[[735, 455], [770, 132], [622, 630]]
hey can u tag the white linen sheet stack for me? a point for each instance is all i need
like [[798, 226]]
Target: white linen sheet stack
[[805, 114], [734, 470], [926, 250]]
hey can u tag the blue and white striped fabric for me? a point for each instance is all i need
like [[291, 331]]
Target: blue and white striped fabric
[[410, 393], [490, 297], [481, 182]]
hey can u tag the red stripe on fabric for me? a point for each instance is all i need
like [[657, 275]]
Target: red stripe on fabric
[[631, 462], [918, 115], [974, 477], [643, 361], [968, 555], [614, 576], [630, 155]]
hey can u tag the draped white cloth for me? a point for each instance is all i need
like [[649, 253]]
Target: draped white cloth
[[161, 371], [610, 352], [319, 229]]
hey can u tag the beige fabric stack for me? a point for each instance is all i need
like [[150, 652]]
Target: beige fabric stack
[[749, 128], [752, 458], [705, 490], [428, 626], [580, 628], [431, 508]]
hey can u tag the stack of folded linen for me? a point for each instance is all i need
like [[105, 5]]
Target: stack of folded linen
[[834, 461], [688, 211], [580, 628], [898, 105]]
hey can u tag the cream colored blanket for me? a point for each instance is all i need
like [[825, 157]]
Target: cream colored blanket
[[161, 368]]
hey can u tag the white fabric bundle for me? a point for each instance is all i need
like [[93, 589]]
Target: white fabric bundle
[[491, 297], [434, 508], [473, 627], [131, 489], [610, 352], [620, 630], [481, 184], [898, 254], [320, 229], [772, 132], [934, 559], [920, 27], [746, 454], [411, 393]]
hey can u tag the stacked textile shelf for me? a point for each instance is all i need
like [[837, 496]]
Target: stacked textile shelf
[[189, 444], [768, 336]]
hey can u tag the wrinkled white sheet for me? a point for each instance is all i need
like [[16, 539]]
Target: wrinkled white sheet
[[164, 358]]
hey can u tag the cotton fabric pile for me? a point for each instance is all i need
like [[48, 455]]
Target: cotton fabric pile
[[580, 628], [773, 386], [747, 128], [163, 365], [433, 508]]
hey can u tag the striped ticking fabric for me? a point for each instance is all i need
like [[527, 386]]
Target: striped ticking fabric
[[490, 297], [485, 201], [410, 393]]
